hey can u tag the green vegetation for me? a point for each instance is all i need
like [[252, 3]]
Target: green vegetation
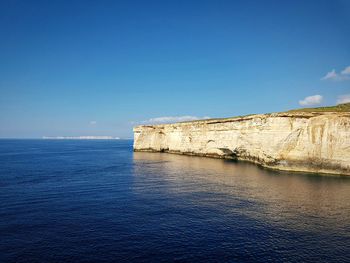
[[345, 107], [338, 108]]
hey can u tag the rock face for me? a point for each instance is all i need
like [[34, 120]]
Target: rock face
[[296, 141]]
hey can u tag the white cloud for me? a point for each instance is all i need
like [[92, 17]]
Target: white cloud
[[311, 100], [343, 99], [93, 122], [333, 75], [171, 119], [346, 71]]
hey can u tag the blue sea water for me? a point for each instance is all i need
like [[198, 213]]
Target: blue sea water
[[97, 201]]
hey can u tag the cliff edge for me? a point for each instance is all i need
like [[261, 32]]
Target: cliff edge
[[309, 140]]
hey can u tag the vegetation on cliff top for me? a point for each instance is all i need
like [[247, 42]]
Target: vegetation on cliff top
[[338, 108], [345, 107]]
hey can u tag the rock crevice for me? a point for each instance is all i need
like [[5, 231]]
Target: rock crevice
[[311, 142]]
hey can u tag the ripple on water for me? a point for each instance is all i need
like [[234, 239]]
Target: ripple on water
[[97, 201]]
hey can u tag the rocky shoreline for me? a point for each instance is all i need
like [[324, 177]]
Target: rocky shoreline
[[317, 142]]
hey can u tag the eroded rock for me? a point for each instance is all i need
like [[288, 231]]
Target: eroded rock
[[297, 141]]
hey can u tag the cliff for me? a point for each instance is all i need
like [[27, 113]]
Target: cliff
[[301, 140]]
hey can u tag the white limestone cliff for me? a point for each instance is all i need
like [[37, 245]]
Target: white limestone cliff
[[296, 141]]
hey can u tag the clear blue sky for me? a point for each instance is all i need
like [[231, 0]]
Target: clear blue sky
[[70, 68]]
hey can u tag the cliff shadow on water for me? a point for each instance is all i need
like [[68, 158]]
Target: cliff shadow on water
[[277, 196]]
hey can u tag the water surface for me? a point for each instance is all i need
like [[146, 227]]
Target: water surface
[[97, 201]]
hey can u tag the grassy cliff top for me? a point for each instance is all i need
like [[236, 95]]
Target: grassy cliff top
[[338, 108], [309, 112], [304, 112]]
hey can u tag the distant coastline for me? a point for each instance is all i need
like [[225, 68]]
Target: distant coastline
[[80, 138]]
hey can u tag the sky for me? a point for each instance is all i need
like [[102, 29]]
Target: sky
[[77, 68]]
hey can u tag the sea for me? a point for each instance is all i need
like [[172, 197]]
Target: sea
[[98, 201]]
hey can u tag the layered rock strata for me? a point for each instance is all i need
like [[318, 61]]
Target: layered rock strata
[[296, 141]]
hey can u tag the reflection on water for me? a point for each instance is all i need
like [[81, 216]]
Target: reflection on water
[[97, 201], [294, 201]]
